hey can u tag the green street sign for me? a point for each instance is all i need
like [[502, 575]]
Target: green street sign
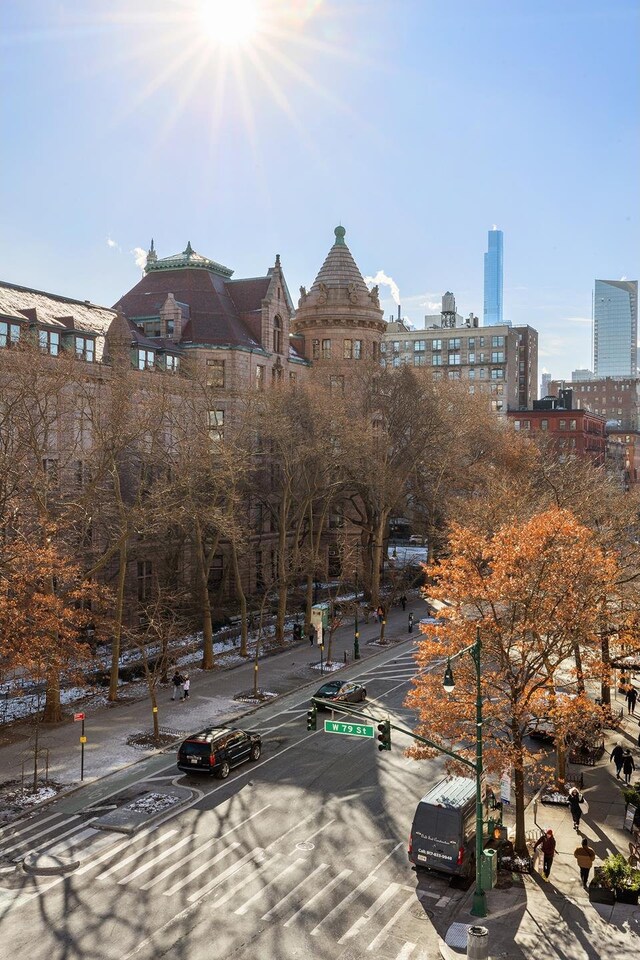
[[350, 729]]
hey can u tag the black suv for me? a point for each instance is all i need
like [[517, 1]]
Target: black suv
[[217, 750]]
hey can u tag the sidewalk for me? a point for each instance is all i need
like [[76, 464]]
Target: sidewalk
[[555, 919], [211, 701]]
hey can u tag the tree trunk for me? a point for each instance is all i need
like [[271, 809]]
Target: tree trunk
[[308, 604], [282, 571], [205, 604], [577, 656], [561, 761], [119, 613], [52, 706], [243, 600], [605, 686], [376, 559], [520, 844]]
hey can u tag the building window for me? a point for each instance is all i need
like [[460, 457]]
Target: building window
[[497, 356], [471, 358], [326, 349], [471, 343], [216, 573], [436, 360], [49, 342], [383, 347], [215, 373], [497, 405], [216, 425], [472, 374], [396, 346], [85, 349], [315, 349], [497, 341], [419, 345], [347, 350], [562, 424], [483, 373], [453, 374], [357, 349], [336, 385], [9, 333], [259, 377], [454, 343], [419, 360], [146, 358], [277, 335], [454, 359], [171, 363], [437, 344], [497, 373], [145, 571], [572, 424]]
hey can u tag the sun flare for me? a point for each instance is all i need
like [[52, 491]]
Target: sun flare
[[229, 23]]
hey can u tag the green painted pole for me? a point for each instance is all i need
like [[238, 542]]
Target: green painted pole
[[479, 907]]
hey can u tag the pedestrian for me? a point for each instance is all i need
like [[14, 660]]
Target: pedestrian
[[628, 766], [548, 843], [585, 855], [311, 636], [616, 755], [176, 680], [575, 799], [380, 612], [403, 601], [632, 696], [186, 683]]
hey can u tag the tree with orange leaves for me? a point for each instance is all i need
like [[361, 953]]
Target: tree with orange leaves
[[533, 588]]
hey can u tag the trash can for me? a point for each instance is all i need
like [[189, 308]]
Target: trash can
[[489, 869], [477, 943]]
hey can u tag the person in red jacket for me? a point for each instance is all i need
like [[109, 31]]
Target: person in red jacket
[[548, 843]]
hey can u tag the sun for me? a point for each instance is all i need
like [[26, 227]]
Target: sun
[[229, 23]]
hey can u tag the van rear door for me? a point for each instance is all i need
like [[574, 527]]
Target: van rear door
[[436, 838]]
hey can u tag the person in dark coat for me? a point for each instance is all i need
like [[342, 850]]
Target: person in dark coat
[[574, 805], [632, 696], [628, 766], [616, 755], [176, 680], [403, 601], [548, 843]]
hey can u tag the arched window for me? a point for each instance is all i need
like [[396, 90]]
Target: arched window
[[277, 335]]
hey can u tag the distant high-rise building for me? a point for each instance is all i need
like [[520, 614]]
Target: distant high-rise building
[[580, 375], [615, 328], [545, 380], [493, 280]]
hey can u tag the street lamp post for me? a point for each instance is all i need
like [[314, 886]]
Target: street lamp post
[[479, 907], [356, 632]]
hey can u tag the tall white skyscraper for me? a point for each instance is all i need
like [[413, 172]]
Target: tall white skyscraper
[[615, 328], [493, 264]]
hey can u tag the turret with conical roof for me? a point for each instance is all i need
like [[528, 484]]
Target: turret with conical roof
[[340, 318]]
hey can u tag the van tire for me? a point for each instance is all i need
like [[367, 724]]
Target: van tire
[[224, 770]]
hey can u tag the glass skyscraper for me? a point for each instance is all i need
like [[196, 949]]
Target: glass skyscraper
[[493, 279], [615, 328]]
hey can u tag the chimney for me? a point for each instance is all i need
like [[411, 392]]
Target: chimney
[[399, 317]]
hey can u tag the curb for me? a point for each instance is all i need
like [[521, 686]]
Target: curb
[[48, 865]]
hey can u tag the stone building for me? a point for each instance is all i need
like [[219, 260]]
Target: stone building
[[617, 399]]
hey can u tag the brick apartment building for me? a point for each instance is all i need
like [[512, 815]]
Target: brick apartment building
[[572, 432], [617, 399]]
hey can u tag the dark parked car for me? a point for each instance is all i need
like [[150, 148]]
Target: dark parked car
[[217, 750], [337, 690]]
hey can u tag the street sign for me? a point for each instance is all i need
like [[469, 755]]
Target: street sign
[[78, 716], [349, 729]]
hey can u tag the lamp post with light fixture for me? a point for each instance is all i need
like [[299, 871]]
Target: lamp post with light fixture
[[479, 907]]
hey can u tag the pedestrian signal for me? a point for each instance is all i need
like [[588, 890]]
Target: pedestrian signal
[[384, 735], [312, 721]]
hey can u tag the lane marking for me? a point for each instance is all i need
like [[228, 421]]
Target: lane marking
[[276, 908], [27, 825], [134, 856], [370, 912], [329, 887], [112, 851], [406, 951], [224, 897], [291, 829], [307, 839], [196, 873], [36, 836], [355, 893], [190, 856], [256, 896], [253, 856], [161, 856], [383, 933]]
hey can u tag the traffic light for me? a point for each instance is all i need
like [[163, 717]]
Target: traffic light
[[297, 632], [312, 721], [384, 735]]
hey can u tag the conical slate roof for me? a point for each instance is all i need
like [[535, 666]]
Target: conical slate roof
[[339, 268]]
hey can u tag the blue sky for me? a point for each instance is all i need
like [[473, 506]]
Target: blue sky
[[416, 123]]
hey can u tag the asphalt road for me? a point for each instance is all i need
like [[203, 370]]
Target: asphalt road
[[302, 854]]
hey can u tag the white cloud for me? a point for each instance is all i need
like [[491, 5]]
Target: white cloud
[[140, 257], [623, 278], [382, 278], [113, 244], [433, 306], [575, 319]]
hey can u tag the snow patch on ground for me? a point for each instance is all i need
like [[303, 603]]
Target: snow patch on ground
[[152, 803], [328, 666]]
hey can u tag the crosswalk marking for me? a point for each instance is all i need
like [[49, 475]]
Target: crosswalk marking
[[290, 830], [196, 873], [111, 852], [224, 897], [364, 919], [319, 830], [406, 951], [276, 908], [12, 833], [253, 855], [377, 940], [138, 853], [190, 856], [355, 893], [36, 836], [256, 896], [150, 863], [329, 887]]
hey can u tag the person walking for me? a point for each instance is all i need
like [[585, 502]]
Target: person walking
[[403, 601], [186, 684], [548, 843], [585, 855], [631, 698], [575, 799], [616, 755], [380, 612], [628, 766], [176, 680]]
